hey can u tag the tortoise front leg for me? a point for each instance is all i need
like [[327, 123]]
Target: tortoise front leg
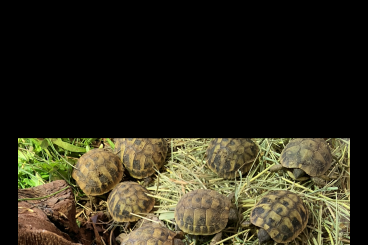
[[263, 236], [276, 168], [325, 177], [319, 181], [147, 181]]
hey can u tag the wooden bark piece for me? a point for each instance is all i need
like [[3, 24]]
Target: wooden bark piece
[[35, 216], [59, 208], [35, 228]]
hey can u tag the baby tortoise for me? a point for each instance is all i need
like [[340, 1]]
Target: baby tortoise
[[307, 157], [225, 156], [151, 233], [204, 212], [126, 198], [280, 216], [97, 172], [140, 155]]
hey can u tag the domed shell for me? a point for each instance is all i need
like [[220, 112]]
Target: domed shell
[[150, 234], [312, 155], [202, 212], [129, 197], [98, 171], [139, 155], [226, 155], [282, 214]]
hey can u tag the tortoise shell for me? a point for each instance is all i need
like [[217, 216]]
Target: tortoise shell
[[150, 234], [129, 197], [282, 214], [226, 155], [139, 155], [202, 212], [98, 171], [312, 155]]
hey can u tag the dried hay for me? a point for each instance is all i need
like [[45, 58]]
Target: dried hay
[[329, 207]]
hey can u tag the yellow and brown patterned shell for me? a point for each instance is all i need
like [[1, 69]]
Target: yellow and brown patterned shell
[[202, 212], [129, 197], [150, 234], [139, 155], [98, 171], [226, 155], [312, 155], [282, 214]]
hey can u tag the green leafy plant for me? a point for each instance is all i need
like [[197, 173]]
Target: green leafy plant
[[41, 160]]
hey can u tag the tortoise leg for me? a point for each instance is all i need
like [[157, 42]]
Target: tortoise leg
[[246, 224], [126, 226], [325, 177], [276, 168], [216, 238], [263, 236], [319, 181], [146, 181], [297, 172]]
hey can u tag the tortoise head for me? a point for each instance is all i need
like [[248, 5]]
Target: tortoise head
[[233, 214], [233, 211], [297, 172]]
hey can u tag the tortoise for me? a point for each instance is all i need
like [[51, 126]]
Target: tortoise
[[151, 233], [98, 171], [226, 155], [126, 198], [204, 212], [140, 155], [279, 215], [307, 157]]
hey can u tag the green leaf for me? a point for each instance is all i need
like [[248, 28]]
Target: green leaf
[[48, 153], [21, 185], [44, 144], [22, 156], [26, 181], [25, 171], [168, 215], [68, 146], [110, 143]]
